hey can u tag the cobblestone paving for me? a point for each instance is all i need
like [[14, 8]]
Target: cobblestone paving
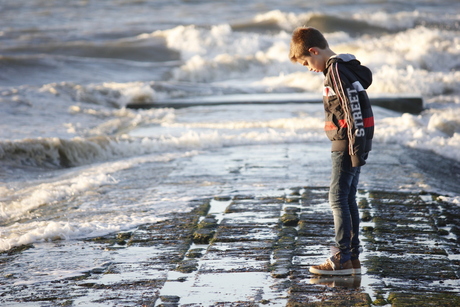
[[247, 250]]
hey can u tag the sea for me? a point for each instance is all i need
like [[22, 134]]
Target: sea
[[76, 162]]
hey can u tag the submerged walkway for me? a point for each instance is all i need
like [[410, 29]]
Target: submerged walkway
[[252, 238], [247, 250]]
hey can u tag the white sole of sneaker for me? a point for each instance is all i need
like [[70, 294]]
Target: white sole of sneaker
[[356, 271], [332, 273]]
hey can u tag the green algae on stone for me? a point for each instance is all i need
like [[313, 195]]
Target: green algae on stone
[[280, 270], [380, 301], [295, 191], [421, 299], [366, 216], [282, 253], [17, 249], [187, 266], [289, 219], [286, 242], [243, 197], [303, 228], [203, 235], [368, 229], [292, 209], [331, 298], [124, 235], [412, 267], [110, 239], [203, 208], [292, 199], [208, 222], [363, 203], [195, 253], [288, 232], [223, 198]]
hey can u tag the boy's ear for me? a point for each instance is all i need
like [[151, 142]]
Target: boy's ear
[[314, 50]]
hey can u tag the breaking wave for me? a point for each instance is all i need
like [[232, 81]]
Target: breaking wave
[[61, 153], [56, 152]]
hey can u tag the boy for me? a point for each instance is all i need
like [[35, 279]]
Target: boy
[[350, 127]]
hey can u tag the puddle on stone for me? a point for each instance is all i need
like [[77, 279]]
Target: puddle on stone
[[209, 288]]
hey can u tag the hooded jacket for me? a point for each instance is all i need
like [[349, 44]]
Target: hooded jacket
[[349, 118]]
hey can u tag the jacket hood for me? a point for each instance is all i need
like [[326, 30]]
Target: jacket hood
[[362, 73]]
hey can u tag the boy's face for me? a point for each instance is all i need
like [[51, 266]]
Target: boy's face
[[315, 62]]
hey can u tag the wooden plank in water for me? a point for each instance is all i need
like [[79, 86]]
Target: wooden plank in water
[[403, 104], [413, 105]]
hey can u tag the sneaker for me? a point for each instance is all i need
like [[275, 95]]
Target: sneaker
[[356, 266], [332, 266]]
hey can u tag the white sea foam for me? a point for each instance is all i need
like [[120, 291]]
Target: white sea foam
[[404, 62], [432, 132], [41, 206], [109, 94], [453, 200], [59, 230], [30, 198]]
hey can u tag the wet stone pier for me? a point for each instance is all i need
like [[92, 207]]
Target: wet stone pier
[[249, 250]]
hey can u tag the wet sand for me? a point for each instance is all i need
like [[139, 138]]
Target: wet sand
[[244, 246]]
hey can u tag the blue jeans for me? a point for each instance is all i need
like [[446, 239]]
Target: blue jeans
[[342, 198]]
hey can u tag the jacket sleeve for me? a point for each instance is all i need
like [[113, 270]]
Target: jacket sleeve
[[349, 93]]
